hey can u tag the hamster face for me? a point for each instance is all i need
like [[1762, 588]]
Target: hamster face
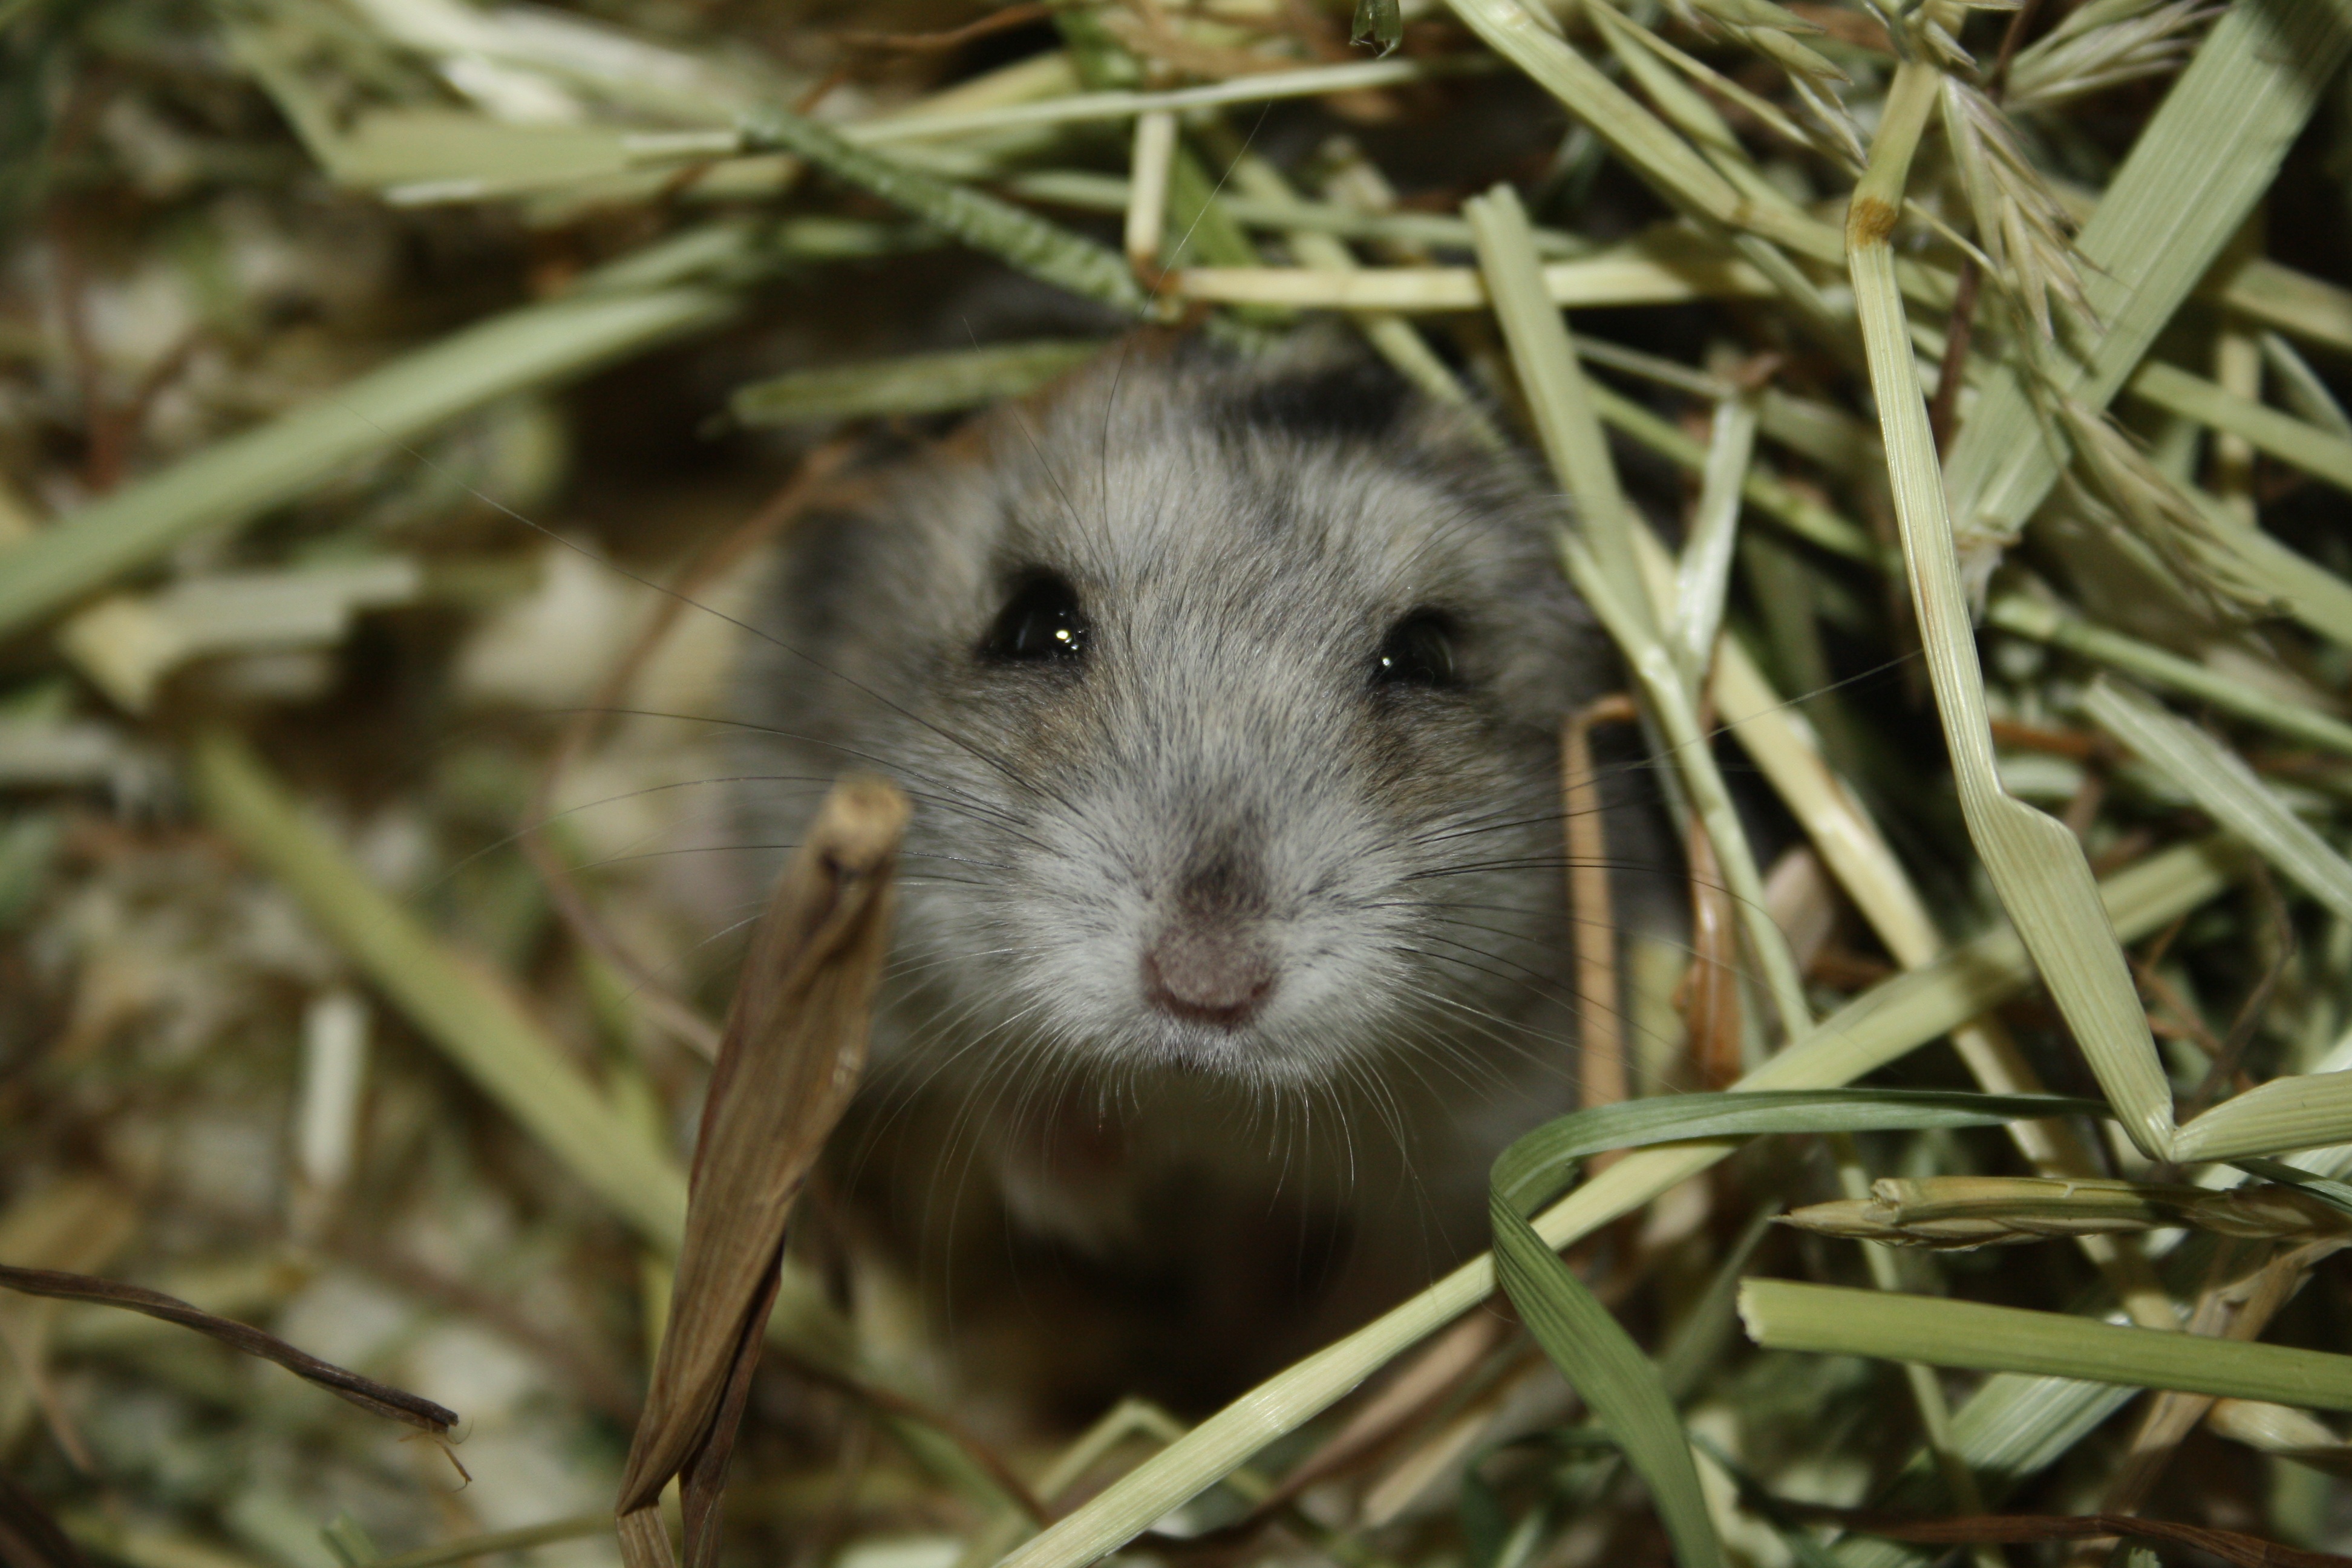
[[1227, 695]]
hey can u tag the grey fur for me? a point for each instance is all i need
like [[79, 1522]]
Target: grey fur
[[1242, 537]]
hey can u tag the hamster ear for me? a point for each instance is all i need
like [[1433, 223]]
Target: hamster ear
[[1341, 398]]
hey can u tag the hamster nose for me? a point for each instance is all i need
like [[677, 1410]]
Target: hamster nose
[[1209, 973]]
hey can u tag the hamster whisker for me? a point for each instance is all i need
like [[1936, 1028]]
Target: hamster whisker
[[1671, 943], [1500, 823], [671, 966], [1445, 1054], [692, 603], [1536, 979], [1434, 905], [1535, 862], [610, 861], [553, 817], [1498, 1020], [1572, 996], [1488, 1025], [977, 807], [1673, 876]]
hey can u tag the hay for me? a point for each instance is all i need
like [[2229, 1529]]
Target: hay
[[375, 369]]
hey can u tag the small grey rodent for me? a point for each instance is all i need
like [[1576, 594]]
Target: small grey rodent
[[1228, 693]]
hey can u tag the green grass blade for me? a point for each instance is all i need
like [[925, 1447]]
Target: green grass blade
[[1978, 1211], [1617, 1382], [2318, 598], [1392, 337], [2336, 1194], [1108, 193], [916, 384], [1785, 1314], [1543, 357], [2014, 1427], [2303, 389], [1534, 1168], [2295, 303], [2201, 163], [1599, 1359]]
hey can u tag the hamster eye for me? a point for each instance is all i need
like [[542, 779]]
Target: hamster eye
[[1041, 620], [1419, 652]]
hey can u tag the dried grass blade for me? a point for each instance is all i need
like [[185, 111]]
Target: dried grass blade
[[2046, 622], [1704, 575], [2303, 388], [2277, 1430], [29, 1536], [1045, 251], [2088, 52], [1146, 192], [794, 1051], [1601, 1074], [2015, 1425], [2308, 1110], [2218, 779], [2295, 303], [1626, 276], [2036, 864], [1666, 161], [376, 1398], [1622, 1387], [1601, 560], [487, 1033], [1109, 194], [1543, 357], [1395, 339], [1851, 845], [576, 1528], [1981, 1211], [2229, 1546], [916, 384], [2323, 454], [233, 480], [1806, 518], [467, 1011], [1314, 81], [2200, 165], [1785, 1314]]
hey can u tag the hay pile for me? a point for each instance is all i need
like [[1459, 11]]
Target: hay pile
[[1974, 372]]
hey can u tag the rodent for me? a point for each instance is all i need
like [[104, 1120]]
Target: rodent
[[1231, 939]]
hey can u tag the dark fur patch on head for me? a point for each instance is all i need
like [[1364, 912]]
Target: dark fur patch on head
[[1358, 398]]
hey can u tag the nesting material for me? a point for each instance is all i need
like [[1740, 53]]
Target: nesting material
[[403, 406]]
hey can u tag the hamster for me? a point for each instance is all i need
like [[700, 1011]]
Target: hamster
[[1232, 943]]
